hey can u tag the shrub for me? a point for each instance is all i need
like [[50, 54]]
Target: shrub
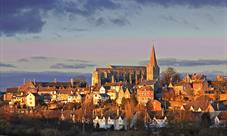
[[4, 126], [50, 132]]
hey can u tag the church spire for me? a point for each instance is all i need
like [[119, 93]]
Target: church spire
[[153, 60], [152, 67]]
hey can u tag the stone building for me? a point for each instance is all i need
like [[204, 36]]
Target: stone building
[[145, 94], [130, 74]]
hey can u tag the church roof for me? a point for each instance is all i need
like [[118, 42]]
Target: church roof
[[126, 67]]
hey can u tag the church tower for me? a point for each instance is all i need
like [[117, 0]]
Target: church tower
[[153, 69]]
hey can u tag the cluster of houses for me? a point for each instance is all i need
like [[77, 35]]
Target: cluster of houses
[[117, 92], [109, 123], [193, 94], [196, 93], [121, 123], [32, 94]]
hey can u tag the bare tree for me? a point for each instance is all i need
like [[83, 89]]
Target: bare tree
[[169, 75]]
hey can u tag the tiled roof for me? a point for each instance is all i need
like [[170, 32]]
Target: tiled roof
[[46, 89], [222, 115], [127, 67], [66, 91], [53, 84], [11, 90], [201, 102]]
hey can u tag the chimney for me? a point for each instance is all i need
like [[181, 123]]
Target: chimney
[[71, 81], [113, 80], [118, 112], [24, 80], [34, 81]]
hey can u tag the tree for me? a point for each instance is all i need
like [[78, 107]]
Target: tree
[[129, 106], [169, 75], [205, 120], [87, 107]]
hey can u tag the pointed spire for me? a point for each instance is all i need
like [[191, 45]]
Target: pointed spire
[[153, 60]]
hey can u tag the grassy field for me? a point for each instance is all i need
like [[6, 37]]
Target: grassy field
[[41, 127]]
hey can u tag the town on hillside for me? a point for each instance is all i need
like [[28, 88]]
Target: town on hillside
[[125, 97]]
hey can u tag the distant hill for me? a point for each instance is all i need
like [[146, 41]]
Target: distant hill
[[12, 79]]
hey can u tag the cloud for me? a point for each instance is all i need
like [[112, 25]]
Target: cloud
[[187, 63], [99, 21], [189, 3], [40, 58], [26, 16], [176, 20], [36, 37], [23, 60], [71, 66], [78, 60], [34, 58], [23, 16], [121, 21], [87, 7], [75, 29], [52, 59], [7, 65], [169, 18]]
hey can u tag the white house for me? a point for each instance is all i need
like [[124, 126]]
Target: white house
[[75, 98], [112, 93], [100, 123], [182, 108], [31, 100], [219, 121], [159, 123], [108, 123], [54, 96], [96, 98], [100, 98], [102, 90], [119, 123], [191, 108], [116, 87], [96, 122]]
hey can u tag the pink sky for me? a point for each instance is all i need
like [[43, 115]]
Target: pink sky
[[103, 49]]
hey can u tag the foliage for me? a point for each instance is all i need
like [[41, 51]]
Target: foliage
[[50, 132], [4, 125]]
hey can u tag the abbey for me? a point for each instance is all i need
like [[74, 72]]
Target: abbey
[[131, 74]]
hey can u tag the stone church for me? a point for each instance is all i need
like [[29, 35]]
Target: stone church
[[131, 74]]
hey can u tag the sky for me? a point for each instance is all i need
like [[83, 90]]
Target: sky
[[76, 36]]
